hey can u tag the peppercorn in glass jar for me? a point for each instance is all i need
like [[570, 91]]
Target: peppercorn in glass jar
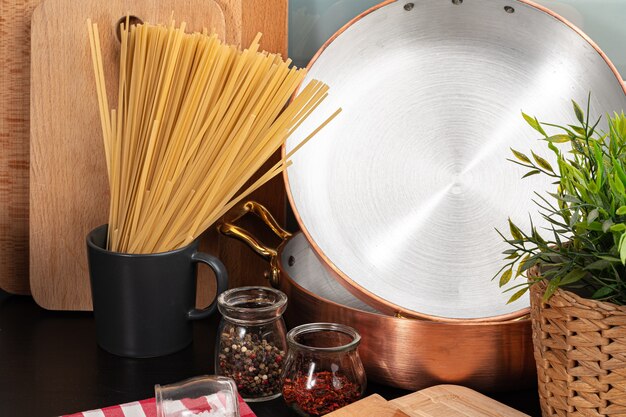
[[251, 341], [323, 370]]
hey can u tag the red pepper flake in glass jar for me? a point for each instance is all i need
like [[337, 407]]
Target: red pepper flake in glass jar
[[320, 393], [323, 371]]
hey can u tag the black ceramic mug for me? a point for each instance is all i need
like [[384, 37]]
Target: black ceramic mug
[[144, 304]]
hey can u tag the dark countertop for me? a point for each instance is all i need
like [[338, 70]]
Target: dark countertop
[[50, 365]]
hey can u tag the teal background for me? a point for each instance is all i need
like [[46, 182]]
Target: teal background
[[312, 22]]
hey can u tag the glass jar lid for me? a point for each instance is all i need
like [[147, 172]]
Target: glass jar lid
[[252, 305], [324, 337]]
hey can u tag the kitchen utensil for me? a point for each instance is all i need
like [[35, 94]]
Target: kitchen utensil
[[401, 195], [437, 401], [405, 353], [144, 303]]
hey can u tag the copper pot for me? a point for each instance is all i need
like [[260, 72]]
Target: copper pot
[[405, 353]]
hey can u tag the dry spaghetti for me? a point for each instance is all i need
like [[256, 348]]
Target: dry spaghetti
[[195, 120]]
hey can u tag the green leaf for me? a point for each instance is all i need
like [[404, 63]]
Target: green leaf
[[579, 130], [621, 211], [618, 186], [542, 162], [538, 237], [517, 295], [619, 170], [599, 265], [622, 250], [606, 225], [506, 277], [602, 292], [530, 173], [593, 214], [595, 226], [566, 198], [609, 258], [619, 227], [534, 123], [515, 232], [600, 164], [521, 265], [572, 277], [525, 266], [550, 289], [520, 156], [579, 113], [558, 139], [554, 148]]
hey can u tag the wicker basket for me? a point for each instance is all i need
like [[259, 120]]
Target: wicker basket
[[580, 350]]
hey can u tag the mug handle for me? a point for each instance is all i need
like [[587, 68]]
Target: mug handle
[[221, 278]]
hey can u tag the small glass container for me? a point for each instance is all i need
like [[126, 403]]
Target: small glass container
[[214, 396], [323, 370], [251, 341]]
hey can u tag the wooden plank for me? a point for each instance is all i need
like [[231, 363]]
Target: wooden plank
[[437, 401], [14, 138], [452, 401], [372, 406], [270, 18], [69, 190]]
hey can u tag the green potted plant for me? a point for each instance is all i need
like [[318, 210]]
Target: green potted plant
[[575, 269]]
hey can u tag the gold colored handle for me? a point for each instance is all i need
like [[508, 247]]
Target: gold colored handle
[[228, 228]]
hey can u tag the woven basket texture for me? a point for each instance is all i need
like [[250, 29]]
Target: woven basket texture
[[580, 351]]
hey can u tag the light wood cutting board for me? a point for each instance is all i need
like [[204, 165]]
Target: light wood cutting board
[[437, 401], [452, 401], [14, 137], [15, 133], [69, 193]]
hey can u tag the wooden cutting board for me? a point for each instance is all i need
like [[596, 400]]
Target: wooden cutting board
[[15, 133], [69, 193], [452, 401], [68, 187], [374, 405], [437, 401], [268, 16], [14, 137]]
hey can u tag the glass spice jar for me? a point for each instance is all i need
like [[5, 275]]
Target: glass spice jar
[[251, 342], [323, 370]]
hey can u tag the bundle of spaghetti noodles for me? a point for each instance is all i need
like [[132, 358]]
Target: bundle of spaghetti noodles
[[195, 120]]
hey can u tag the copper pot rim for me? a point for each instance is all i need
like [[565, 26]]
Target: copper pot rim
[[355, 289]]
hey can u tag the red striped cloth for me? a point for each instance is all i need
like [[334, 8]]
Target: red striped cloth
[[147, 408]]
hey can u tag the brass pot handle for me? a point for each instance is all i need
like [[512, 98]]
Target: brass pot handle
[[228, 228]]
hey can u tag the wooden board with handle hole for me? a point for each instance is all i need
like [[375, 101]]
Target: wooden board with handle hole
[[15, 133], [68, 186], [437, 401]]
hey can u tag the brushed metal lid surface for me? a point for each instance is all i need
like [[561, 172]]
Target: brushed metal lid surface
[[401, 194]]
